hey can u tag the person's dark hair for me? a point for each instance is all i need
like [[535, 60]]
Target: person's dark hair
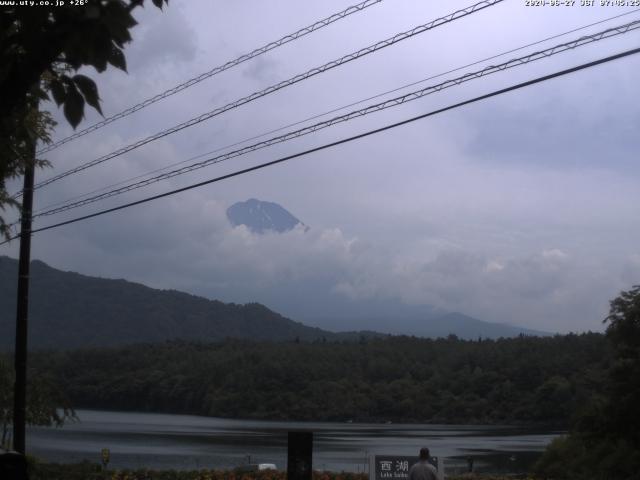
[[424, 453]]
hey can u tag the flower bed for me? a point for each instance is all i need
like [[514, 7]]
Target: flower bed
[[92, 471]]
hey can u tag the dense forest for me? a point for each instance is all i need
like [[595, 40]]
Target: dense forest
[[540, 380]]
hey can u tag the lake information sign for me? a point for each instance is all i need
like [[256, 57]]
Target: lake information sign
[[396, 467]]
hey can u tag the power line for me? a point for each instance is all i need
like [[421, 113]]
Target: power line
[[585, 40], [214, 71], [334, 110], [279, 86], [346, 140]]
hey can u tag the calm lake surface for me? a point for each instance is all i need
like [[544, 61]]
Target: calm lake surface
[[138, 440]]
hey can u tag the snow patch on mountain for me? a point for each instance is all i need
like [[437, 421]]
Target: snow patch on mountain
[[262, 217]]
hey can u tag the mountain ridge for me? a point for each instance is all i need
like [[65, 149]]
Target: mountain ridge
[[80, 311], [428, 324], [71, 310], [260, 216]]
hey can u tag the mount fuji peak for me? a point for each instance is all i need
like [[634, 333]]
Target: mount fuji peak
[[261, 217]]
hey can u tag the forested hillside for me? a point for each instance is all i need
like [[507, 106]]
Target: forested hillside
[[520, 380], [69, 310], [604, 440]]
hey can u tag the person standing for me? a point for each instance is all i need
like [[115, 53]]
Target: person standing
[[423, 470]]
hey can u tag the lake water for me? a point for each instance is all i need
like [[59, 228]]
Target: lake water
[[138, 440]]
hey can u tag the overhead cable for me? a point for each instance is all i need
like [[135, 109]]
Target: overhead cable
[[585, 40], [214, 71], [334, 110], [279, 86], [344, 140]]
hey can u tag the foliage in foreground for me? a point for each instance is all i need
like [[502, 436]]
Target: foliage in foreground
[[39, 49], [576, 457], [604, 443], [90, 471], [46, 404]]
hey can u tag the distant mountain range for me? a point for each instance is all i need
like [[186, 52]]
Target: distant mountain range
[[424, 322], [261, 217], [69, 310]]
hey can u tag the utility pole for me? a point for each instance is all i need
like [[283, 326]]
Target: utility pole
[[20, 387]]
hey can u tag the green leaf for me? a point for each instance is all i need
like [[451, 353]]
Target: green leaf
[[118, 12], [73, 106], [58, 91], [118, 29], [40, 94], [118, 20], [98, 62], [92, 12], [89, 91], [136, 4], [100, 47], [117, 59]]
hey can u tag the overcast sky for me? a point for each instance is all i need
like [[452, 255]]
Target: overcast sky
[[522, 209]]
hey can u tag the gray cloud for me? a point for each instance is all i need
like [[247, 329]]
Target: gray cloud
[[162, 42], [521, 209]]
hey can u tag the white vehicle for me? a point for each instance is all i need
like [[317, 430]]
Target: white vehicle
[[255, 467]]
